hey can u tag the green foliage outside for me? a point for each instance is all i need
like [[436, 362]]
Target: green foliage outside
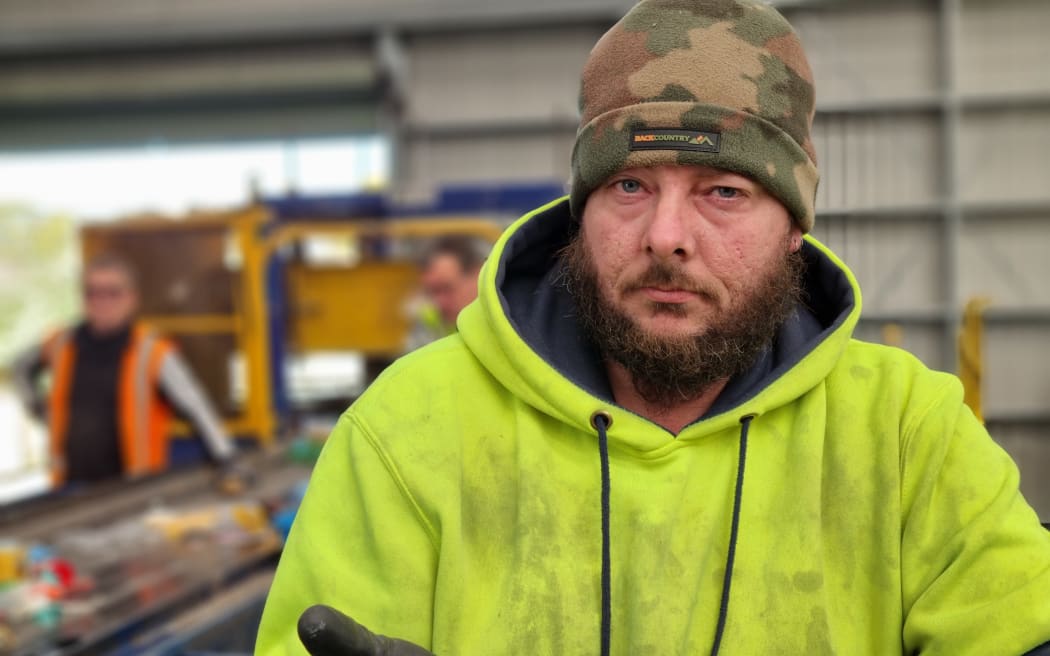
[[39, 268]]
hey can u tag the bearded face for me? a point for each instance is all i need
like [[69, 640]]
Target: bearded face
[[677, 301]]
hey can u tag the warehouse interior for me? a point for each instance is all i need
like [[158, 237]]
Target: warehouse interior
[[389, 122]]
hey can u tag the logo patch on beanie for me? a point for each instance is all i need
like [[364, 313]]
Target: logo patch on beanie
[[675, 139]]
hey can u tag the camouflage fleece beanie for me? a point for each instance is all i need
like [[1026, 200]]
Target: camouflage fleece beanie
[[721, 83]]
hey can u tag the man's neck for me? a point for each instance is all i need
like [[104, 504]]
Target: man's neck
[[673, 418]]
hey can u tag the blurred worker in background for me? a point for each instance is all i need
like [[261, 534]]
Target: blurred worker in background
[[448, 281], [114, 385], [654, 432]]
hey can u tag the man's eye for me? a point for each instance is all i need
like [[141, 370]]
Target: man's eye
[[727, 192], [629, 186]]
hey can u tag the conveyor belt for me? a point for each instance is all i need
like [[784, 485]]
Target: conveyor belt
[[226, 622], [152, 584], [44, 518], [122, 629]]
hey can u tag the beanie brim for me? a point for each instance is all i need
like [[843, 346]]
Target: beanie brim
[[743, 143]]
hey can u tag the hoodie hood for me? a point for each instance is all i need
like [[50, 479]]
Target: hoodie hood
[[523, 329]]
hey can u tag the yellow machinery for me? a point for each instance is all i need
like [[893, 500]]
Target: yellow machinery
[[204, 279], [373, 292]]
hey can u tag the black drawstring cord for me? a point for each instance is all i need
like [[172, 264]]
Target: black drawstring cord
[[723, 611], [601, 422]]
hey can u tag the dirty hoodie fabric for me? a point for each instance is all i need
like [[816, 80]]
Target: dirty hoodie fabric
[[458, 503]]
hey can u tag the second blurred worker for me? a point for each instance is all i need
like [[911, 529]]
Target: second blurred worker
[[449, 282]]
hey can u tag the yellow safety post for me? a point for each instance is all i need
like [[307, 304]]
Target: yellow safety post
[[893, 335], [971, 353], [253, 321]]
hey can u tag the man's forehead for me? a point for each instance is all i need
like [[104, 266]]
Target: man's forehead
[[109, 274], [443, 264]]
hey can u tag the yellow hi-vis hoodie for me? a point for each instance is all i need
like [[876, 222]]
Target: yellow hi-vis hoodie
[[458, 502]]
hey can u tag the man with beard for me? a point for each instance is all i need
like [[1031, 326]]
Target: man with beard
[[654, 432]]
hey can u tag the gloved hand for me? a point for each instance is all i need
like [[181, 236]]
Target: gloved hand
[[324, 631]]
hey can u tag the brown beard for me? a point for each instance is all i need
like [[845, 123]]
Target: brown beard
[[667, 371]]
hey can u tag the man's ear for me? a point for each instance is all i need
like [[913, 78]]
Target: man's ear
[[795, 239]]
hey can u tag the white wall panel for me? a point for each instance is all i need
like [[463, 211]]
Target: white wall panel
[[64, 24], [924, 342], [497, 76], [1027, 446], [1017, 362], [159, 77], [877, 160], [1003, 47], [1005, 155], [1007, 259], [431, 163], [870, 53], [898, 264]]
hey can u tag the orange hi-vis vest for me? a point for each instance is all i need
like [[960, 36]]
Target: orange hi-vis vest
[[143, 417]]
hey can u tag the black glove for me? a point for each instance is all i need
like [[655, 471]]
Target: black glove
[[324, 631]]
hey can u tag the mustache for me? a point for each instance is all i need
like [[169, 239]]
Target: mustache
[[661, 274]]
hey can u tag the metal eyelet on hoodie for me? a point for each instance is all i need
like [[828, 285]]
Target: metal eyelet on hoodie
[[601, 414]]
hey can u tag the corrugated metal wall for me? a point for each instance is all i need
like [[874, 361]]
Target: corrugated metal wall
[[498, 105]]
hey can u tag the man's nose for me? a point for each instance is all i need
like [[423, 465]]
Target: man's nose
[[669, 234]]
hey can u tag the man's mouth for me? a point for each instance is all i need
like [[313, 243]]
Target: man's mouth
[[668, 294]]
